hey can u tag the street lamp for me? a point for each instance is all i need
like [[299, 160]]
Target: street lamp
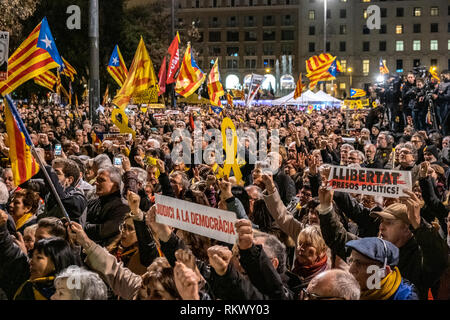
[[324, 26], [267, 70], [350, 70]]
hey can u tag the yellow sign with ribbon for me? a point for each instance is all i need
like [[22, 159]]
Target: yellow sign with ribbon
[[356, 104], [230, 150], [120, 119]]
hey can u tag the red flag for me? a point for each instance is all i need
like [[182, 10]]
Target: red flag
[[174, 63], [162, 78], [191, 121]]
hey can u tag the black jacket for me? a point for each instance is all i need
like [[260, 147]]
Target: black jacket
[[285, 186], [72, 199], [263, 282], [104, 216], [14, 266]]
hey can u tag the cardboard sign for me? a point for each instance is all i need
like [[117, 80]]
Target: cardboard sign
[[206, 221], [375, 182], [4, 48]]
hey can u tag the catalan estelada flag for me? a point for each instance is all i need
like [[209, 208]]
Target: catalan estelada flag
[[46, 80], [383, 67], [216, 109], [36, 55], [230, 100], [298, 88], [357, 93], [190, 77], [215, 88], [318, 68], [68, 70], [141, 77], [117, 68], [23, 165]]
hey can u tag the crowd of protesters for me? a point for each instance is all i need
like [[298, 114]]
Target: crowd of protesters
[[296, 239]]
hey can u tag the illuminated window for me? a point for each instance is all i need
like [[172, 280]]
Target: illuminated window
[[365, 14], [417, 12], [399, 29], [416, 45], [312, 15], [434, 11], [366, 67], [344, 62], [433, 45], [399, 45]]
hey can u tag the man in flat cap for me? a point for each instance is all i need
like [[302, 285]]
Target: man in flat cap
[[373, 263]]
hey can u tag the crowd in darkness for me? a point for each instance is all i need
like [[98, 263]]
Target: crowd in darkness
[[296, 239]]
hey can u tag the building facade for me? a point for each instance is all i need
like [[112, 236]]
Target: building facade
[[276, 37]]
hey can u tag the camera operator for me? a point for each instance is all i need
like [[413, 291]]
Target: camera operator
[[420, 108], [442, 100], [392, 95], [409, 93]]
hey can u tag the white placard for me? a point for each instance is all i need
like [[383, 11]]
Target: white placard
[[375, 182], [206, 221]]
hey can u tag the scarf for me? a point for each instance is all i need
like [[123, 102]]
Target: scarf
[[122, 254], [388, 287], [309, 272], [23, 220], [42, 292]]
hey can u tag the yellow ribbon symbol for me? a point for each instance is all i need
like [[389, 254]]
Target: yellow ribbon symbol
[[120, 119], [230, 150]]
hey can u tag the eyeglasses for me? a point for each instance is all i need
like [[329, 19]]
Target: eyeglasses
[[405, 152], [305, 295], [126, 227]]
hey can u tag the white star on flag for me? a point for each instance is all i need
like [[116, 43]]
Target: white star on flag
[[115, 60], [48, 42]]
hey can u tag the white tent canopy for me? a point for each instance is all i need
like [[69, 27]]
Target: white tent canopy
[[326, 97]]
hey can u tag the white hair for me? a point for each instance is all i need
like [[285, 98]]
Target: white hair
[[155, 143], [85, 284], [4, 194]]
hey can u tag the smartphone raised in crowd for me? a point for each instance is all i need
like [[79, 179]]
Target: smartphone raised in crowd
[[58, 150], [117, 161]]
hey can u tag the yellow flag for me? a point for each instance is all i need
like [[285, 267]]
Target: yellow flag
[[141, 76]]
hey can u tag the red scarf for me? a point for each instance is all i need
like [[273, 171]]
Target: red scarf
[[309, 272]]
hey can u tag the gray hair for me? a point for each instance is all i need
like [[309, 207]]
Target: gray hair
[[4, 194], [410, 146], [84, 284], [102, 160], [343, 284], [273, 249], [361, 155], [141, 175], [347, 146], [346, 286], [114, 174]]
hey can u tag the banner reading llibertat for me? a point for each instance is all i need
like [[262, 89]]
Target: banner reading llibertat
[[375, 182]]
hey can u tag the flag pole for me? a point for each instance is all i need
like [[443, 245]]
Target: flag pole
[[36, 155]]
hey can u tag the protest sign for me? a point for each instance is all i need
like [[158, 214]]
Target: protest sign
[[4, 48], [375, 182], [206, 221]]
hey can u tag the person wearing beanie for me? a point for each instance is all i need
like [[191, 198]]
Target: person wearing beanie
[[373, 263]]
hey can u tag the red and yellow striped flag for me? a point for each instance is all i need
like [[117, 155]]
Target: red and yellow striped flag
[[298, 88], [116, 67], [58, 82], [106, 96], [317, 68], [47, 80], [190, 77], [23, 165], [141, 76], [68, 70], [36, 55], [215, 88]]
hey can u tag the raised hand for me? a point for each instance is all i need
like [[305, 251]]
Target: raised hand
[[325, 196], [245, 234], [133, 202], [219, 258], [126, 165], [423, 169], [161, 166], [77, 235], [268, 182], [186, 281], [413, 208], [161, 230]]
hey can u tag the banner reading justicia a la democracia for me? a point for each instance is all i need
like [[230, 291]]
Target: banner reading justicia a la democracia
[[375, 182], [206, 221]]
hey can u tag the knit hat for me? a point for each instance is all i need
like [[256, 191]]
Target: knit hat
[[433, 150]]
